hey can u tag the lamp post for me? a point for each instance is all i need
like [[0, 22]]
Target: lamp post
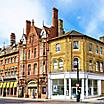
[[77, 84]]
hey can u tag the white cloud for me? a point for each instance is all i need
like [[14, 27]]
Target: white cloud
[[93, 25], [14, 13]]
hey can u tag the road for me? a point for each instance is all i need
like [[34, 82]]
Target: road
[[14, 101]]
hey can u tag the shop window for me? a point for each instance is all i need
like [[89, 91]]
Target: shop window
[[61, 64], [67, 91], [95, 91], [58, 47], [58, 87], [75, 45], [11, 91], [15, 91], [8, 91], [43, 90], [55, 65], [89, 87], [1, 91], [29, 69]]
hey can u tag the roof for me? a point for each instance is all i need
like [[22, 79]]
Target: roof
[[74, 33], [9, 50], [38, 30]]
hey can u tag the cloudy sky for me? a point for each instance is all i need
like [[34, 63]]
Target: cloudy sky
[[85, 16]]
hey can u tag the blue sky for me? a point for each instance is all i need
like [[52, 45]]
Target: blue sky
[[85, 16]]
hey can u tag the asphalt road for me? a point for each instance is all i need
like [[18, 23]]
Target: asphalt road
[[14, 101]]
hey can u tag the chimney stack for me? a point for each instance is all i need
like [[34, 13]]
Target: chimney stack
[[12, 39], [55, 21], [60, 27], [28, 26]]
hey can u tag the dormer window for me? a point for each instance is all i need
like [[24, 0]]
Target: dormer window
[[43, 34]]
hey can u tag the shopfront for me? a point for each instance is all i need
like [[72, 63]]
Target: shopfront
[[8, 89], [63, 86], [32, 89]]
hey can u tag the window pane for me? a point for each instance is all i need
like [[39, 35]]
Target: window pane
[[90, 46], [100, 50], [58, 87], [58, 47], [75, 45]]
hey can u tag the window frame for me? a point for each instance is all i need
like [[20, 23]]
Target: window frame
[[76, 45], [58, 47]]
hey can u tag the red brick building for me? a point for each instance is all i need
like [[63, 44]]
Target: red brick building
[[33, 50]]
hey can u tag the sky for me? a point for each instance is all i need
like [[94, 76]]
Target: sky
[[85, 16]]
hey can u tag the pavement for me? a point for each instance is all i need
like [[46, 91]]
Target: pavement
[[88, 100]]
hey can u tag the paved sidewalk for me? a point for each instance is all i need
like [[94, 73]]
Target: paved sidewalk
[[89, 100]]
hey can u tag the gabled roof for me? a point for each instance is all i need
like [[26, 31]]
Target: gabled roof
[[38, 30], [8, 50], [47, 29]]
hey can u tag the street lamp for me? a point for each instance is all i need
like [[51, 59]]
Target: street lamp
[[78, 83]]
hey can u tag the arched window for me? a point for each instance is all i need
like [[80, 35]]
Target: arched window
[[75, 63], [55, 65], [101, 66], [97, 65], [61, 64]]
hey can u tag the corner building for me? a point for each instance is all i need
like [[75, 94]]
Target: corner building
[[64, 51]]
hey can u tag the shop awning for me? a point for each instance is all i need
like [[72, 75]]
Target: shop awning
[[1, 84], [11, 84], [8, 85], [4, 84], [32, 85], [15, 84]]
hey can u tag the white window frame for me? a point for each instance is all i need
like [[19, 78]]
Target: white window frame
[[77, 45], [58, 47], [101, 66], [90, 65], [55, 65], [61, 64], [75, 63]]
